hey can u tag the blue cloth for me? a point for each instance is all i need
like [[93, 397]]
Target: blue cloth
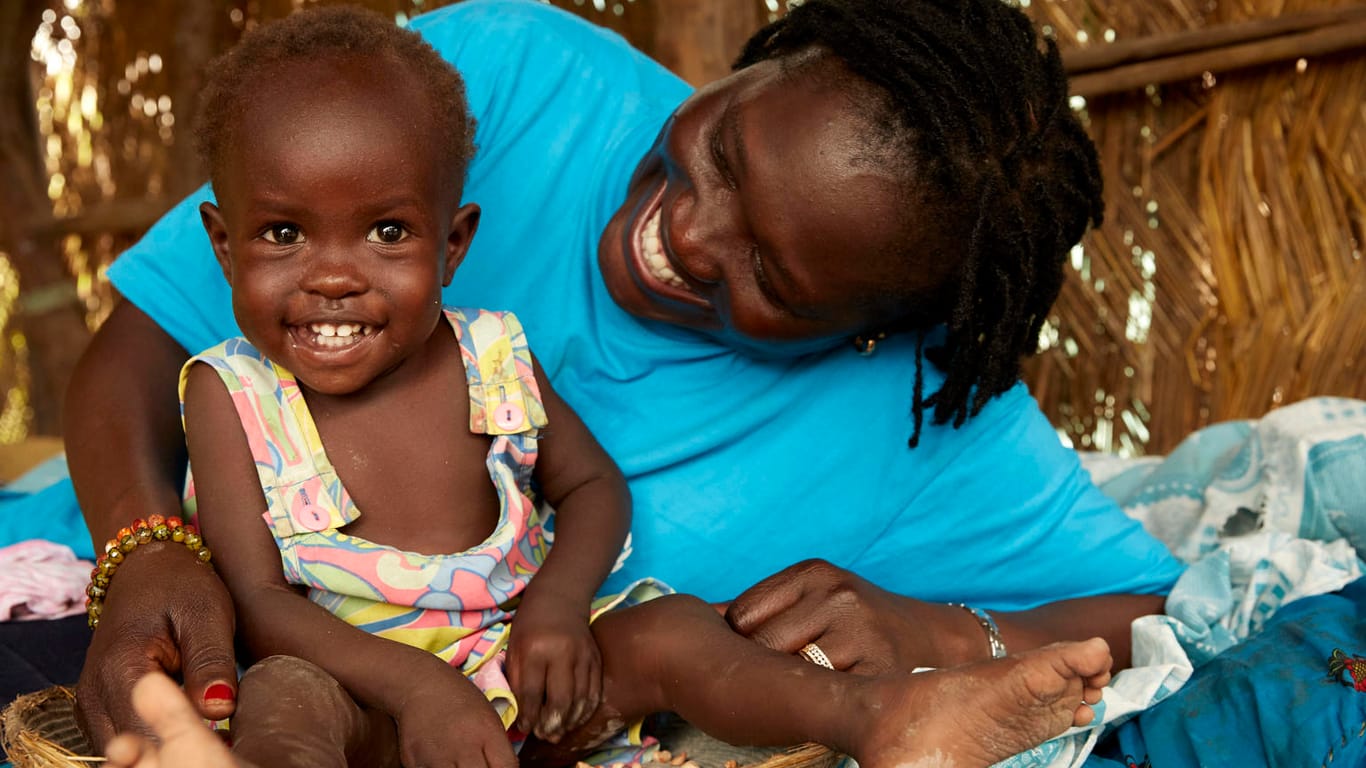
[[1270, 700], [739, 464], [41, 504]]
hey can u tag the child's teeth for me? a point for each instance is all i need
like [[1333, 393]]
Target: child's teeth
[[337, 334]]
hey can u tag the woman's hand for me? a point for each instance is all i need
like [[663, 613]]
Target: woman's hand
[[445, 722], [165, 611], [862, 628], [554, 667]]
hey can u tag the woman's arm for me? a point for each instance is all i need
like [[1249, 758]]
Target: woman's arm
[[415, 687], [127, 457], [553, 663], [123, 438], [866, 629]]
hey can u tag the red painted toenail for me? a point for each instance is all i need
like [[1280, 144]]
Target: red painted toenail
[[219, 692]]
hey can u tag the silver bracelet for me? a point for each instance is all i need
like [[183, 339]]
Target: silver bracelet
[[998, 646]]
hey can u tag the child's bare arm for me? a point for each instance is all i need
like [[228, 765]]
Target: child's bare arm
[[553, 664], [591, 501], [413, 686]]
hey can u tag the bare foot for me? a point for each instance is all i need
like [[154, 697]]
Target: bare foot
[[185, 741], [980, 714]]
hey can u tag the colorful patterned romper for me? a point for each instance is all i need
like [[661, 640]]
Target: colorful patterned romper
[[458, 606]]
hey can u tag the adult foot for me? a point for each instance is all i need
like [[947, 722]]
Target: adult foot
[[980, 714], [185, 741]]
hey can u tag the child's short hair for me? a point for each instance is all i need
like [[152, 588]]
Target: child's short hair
[[318, 33]]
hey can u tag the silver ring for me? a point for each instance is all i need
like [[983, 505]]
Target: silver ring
[[813, 653]]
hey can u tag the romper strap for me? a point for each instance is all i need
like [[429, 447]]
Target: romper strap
[[504, 397], [303, 493]]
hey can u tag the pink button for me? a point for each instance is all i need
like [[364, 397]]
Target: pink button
[[312, 517], [508, 417]]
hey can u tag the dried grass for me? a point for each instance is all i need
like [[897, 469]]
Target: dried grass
[[38, 730], [1251, 197]]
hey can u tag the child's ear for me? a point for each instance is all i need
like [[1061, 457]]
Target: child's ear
[[463, 224], [218, 236]]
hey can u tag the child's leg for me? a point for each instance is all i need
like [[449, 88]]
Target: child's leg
[[292, 713], [677, 654]]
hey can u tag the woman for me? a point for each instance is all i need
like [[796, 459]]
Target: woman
[[897, 179]]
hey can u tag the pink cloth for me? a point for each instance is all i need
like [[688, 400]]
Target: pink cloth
[[41, 580]]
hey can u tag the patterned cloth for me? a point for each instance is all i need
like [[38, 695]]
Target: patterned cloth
[[1268, 513], [458, 606]]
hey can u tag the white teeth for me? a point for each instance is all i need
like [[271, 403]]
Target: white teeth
[[652, 248], [337, 334]]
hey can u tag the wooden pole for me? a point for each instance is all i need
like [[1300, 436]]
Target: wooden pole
[[1139, 49], [699, 40], [199, 29], [1315, 42], [52, 321]]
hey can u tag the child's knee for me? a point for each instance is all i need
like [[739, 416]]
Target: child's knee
[[286, 671]]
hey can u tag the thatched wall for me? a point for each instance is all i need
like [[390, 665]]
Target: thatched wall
[[1228, 276], [1226, 280]]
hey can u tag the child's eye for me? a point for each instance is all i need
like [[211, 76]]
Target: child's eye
[[283, 234], [387, 232]]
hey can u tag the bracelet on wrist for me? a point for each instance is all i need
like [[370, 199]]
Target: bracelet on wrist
[[154, 528], [988, 625]]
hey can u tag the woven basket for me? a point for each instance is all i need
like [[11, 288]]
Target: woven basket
[[39, 730]]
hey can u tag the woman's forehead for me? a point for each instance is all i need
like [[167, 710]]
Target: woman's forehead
[[828, 192]]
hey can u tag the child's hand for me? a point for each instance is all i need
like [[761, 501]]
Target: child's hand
[[447, 723], [554, 668]]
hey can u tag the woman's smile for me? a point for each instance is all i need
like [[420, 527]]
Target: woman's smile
[[758, 213], [654, 266]]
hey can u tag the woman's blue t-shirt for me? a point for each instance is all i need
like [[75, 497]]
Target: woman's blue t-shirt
[[738, 466]]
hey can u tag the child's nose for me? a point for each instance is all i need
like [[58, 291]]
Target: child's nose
[[334, 276]]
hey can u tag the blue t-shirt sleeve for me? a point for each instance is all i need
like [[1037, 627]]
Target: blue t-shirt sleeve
[[172, 276], [1021, 502]]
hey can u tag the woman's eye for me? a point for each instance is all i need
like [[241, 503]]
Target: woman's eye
[[388, 232], [283, 234], [718, 157]]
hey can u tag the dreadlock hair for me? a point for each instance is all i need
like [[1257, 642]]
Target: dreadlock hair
[[323, 33], [1002, 170]]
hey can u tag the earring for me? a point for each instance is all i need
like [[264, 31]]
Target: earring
[[867, 345]]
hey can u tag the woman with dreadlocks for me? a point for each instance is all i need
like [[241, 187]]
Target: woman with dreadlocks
[[791, 306]]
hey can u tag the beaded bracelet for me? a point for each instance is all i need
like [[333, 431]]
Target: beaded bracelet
[[154, 528], [988, 624]]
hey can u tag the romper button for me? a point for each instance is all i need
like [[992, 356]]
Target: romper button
[[508, 417], [312, 517]]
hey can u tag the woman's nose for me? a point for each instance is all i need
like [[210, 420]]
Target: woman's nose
[[699, 229]]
